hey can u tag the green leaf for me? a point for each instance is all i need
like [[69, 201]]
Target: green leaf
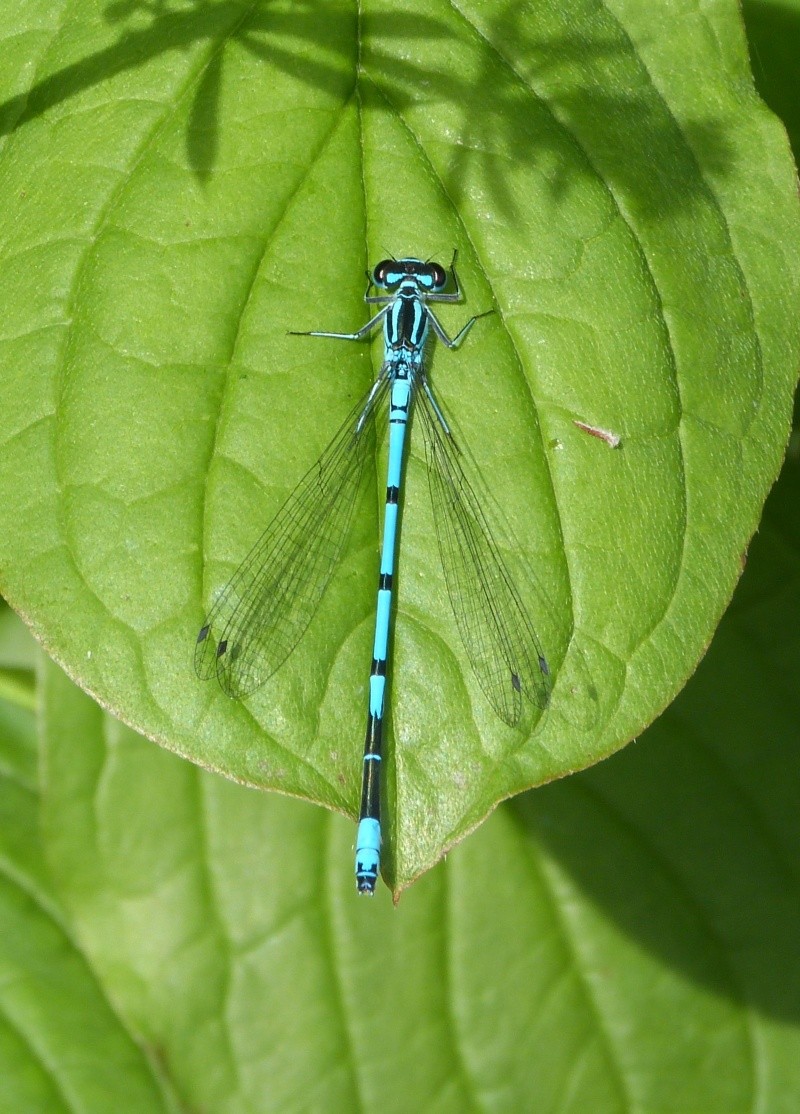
[[622, 940], [62, 1048], [17, 660], [181, 185]]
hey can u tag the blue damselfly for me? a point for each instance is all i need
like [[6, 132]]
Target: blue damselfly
[[260, 616]]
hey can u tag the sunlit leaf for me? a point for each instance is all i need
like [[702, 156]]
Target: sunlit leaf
[[180, 184]]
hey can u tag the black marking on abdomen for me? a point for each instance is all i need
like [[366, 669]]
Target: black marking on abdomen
[[370, 786], [392, 494], [384, 583]]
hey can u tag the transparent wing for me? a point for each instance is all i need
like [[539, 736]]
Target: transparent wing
[[267, 605], [495, 628]]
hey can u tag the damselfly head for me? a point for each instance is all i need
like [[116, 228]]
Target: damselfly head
[[389, 273]]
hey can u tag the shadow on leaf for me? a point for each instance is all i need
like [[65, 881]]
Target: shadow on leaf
[[773, 32], [524, 93]]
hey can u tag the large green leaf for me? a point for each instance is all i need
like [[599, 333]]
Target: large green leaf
[[622, 940], [179, 185]]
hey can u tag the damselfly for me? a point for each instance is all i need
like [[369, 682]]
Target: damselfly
[[263, 612]]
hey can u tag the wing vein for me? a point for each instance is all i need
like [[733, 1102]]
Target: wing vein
[[265, 608]]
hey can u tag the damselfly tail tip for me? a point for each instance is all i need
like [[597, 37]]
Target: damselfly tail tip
[[366, 876], [368, 854]]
